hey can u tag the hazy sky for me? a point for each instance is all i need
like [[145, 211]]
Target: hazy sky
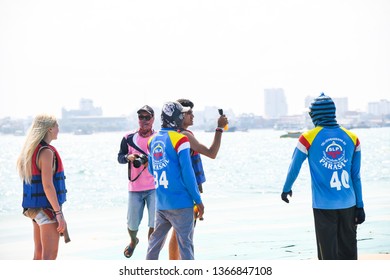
[[124, 54]]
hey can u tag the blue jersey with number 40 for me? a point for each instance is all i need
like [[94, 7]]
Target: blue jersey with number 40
[[334, 159]]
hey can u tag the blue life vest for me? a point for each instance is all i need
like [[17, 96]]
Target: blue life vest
[[197, 165], [198, 168], [33, 193]]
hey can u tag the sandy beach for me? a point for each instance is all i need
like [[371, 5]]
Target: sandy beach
[[101, 235], [98, 238]]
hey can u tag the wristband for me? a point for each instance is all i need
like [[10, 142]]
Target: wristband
[[219, 129]]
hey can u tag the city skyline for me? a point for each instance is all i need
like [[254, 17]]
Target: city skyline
[[100, 108]]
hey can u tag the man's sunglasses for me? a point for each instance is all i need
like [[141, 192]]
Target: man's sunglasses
[[146, 118]]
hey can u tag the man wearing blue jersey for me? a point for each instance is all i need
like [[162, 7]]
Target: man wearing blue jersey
[[176, 187], [197, 149], [334, 158]]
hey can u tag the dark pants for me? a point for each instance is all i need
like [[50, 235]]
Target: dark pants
[[336, 234]]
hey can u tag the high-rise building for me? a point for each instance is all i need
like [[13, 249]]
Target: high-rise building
[[379, 108], [275, 104], [341, 104]]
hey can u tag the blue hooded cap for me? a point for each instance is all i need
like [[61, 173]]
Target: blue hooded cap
[[323, 111]]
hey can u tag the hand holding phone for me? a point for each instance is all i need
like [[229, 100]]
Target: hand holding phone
[[220, 111]]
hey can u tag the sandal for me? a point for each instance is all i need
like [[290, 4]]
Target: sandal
[[129, 251]]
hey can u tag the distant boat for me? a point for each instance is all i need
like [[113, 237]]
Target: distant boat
[[18, 132], [230, 129], [83, 132], [291, 134]]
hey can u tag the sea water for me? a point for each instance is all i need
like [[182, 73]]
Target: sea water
[[244, 215]]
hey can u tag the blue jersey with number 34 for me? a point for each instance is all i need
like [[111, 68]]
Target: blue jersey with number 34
[[170, 164]]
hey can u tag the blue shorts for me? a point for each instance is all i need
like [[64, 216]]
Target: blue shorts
[[136, 206]]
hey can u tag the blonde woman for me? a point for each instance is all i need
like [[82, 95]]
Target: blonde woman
[[40, 167]]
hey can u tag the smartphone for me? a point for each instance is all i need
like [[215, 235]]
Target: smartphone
[[220, 111]]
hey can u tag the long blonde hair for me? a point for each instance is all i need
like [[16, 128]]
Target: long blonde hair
[[37, 132]]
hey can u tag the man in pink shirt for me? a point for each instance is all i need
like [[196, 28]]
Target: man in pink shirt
[[141, 186]]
